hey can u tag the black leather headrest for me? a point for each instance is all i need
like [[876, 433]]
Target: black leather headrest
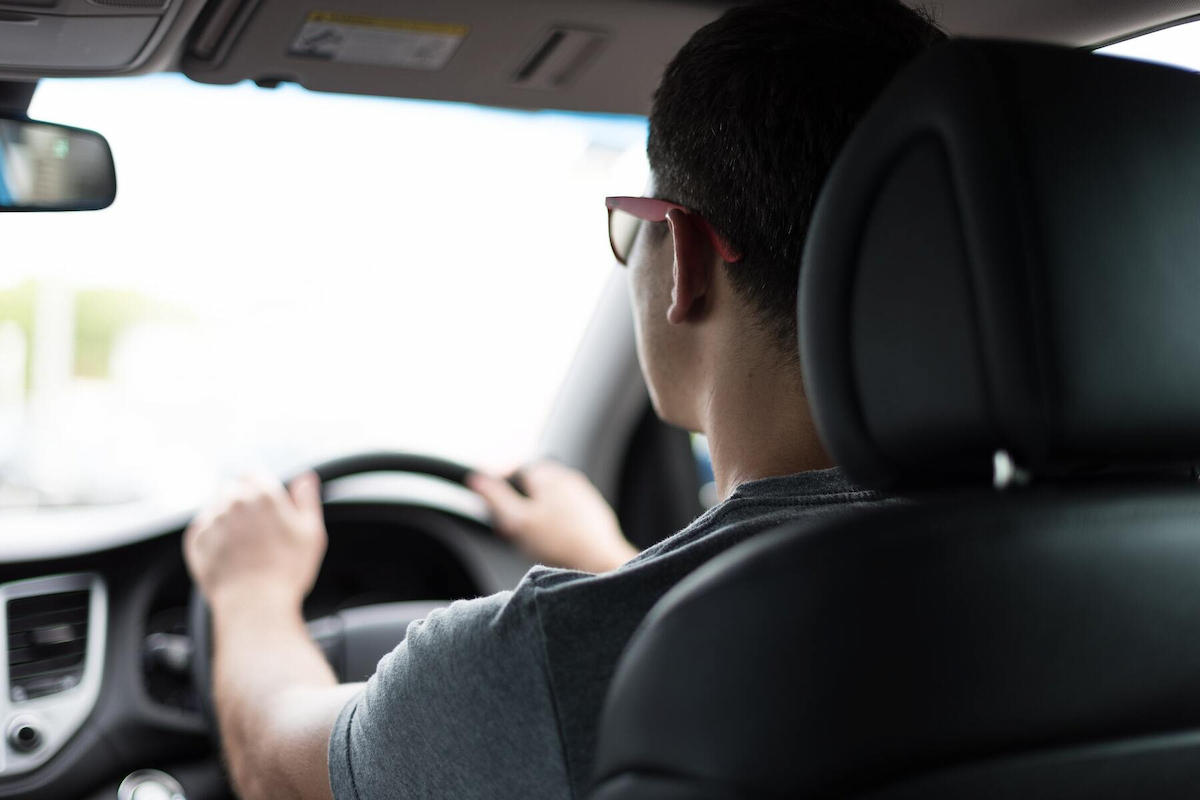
[[1006, 256]]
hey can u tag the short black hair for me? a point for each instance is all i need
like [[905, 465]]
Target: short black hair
[[750, 115]]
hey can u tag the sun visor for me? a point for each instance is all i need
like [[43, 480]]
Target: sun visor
[[80, 37], [593, 55]]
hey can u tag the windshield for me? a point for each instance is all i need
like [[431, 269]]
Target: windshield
[[1175, 46], [288, 275]]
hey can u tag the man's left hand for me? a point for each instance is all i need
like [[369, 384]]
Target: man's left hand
[[261, 540]]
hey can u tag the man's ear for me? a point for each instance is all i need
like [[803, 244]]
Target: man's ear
[[693, 266]]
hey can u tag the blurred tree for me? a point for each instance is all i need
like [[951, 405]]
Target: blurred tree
[[16, 305], [100, 317]]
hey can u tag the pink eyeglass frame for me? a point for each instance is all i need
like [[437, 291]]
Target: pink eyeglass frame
[[653, 210]]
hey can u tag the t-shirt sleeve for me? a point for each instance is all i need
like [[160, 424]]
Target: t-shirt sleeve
[[461, 709]]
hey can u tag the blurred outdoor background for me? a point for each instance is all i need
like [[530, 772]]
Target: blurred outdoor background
[[287, 276]]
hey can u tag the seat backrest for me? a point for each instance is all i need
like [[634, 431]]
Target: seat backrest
[[983, 649], [999, 323]]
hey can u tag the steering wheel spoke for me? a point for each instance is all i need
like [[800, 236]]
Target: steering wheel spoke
[[354, 640]]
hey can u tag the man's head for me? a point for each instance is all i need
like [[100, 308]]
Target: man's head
[[745, 126]]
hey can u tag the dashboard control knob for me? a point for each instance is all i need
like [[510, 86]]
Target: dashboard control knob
[[170, 651], [24, 735], [150, 784]]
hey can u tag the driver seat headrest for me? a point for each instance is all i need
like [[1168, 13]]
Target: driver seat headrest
[[1006, 257]]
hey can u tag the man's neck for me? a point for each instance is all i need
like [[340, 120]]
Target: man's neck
[[758, 425]]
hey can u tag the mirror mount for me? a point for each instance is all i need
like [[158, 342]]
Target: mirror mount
[[15, 97]]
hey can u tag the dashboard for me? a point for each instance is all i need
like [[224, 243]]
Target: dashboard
[[98, 695]]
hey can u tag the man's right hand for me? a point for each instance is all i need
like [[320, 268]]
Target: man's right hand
[[564, 521], [262, 540]]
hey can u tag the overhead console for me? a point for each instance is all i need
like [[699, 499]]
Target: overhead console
[[88, 37], [594, 55]]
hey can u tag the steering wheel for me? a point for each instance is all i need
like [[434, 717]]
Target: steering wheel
[[353, 639]]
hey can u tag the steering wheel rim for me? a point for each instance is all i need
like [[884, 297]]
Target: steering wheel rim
[[199, 616]]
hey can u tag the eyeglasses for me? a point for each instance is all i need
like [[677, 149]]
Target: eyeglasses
[[625, 217]]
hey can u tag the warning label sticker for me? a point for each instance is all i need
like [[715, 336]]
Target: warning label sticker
[[352, 39]]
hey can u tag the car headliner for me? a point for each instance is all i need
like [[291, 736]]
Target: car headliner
[[225, 41]]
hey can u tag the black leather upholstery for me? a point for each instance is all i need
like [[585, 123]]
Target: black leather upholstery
[[884, 652], [1007, 255]]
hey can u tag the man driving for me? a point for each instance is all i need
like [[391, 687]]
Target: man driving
[[501, 696]]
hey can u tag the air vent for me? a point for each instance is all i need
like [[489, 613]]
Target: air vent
[[47, 643], [559, 58]]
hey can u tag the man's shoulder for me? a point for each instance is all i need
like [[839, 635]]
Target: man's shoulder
[[550, 604], [513, 614], [759, 506]]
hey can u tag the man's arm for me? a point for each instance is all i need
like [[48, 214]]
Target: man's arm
[[276, 698], [255, 556]]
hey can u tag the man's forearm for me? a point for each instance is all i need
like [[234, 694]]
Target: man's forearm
[[275, 695]]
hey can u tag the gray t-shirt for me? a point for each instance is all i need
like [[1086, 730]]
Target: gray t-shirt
[[500, 697]]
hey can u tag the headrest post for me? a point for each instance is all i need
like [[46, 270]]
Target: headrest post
[[1005, 471]]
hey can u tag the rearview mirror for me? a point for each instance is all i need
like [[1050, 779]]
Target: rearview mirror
[[46, 167]]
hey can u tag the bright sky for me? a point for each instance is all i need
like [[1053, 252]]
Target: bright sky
[[363, 273], [1177, 46]]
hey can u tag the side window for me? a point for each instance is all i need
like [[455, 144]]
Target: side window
[[704, 471], [659, 492], [1174, 46]]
